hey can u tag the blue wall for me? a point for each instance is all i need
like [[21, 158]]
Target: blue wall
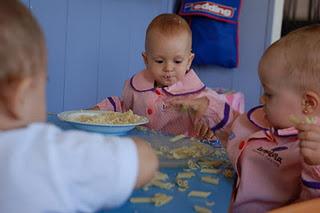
[[93, 46]]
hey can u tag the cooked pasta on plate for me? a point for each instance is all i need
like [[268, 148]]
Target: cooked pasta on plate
[[107, 122]]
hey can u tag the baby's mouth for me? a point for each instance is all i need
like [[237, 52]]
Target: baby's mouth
[[168, 77]]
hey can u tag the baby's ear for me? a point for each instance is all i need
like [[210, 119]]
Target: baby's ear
[[310, 102], [145, 58], [191, 57], [17, 99]]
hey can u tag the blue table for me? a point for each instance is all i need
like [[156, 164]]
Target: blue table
[[221, 193]]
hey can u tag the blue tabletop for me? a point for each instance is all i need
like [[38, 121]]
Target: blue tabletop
[[220, 193]]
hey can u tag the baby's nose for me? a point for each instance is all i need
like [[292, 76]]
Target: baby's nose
[[168, 67]]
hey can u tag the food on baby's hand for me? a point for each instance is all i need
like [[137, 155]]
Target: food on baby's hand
[[308, 120]]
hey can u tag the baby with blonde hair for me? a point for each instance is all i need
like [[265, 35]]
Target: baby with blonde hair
[[275, 148], [168, 91], [45, 169]]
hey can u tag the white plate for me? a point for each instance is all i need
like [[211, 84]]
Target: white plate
[[114, 129]]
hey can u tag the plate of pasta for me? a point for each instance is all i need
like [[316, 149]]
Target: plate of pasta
[[107, 122]]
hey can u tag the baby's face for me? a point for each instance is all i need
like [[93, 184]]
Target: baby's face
[[281, 100], [168, 57]]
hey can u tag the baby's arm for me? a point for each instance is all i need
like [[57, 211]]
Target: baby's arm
[[148, 162], [219, 113], [309, 135], [195, 108], [112, 103], [105, 169], [115, 103]]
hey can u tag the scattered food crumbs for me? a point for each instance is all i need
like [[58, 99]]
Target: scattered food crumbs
[[158, 199], [210, 203], [194, 150], [200, 209], [228, 173], [141, 200], [211, 180], [210, 171], [192, 164], [177, 138], [161, 176], [185, 175], [162, 185], [200, 194], [158, 181], [182, 189], [158, 152], [183, 184], [216, 163], [206, 164]]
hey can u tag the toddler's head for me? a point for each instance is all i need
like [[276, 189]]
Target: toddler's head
[[22, 66], [168, 53], [289, 72]]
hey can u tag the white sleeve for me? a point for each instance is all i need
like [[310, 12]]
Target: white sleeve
[[96, 171]]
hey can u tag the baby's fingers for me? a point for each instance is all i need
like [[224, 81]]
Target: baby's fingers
[[210, 135], [197, 128], [312, 145], [311, 156], [309, 135], [203, 131], [308, 127]]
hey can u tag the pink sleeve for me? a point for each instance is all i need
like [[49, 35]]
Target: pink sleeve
[[234, 99], [118, 104], [310, 179], [240, 130], [127, 96], [219, 113], [112, 103]]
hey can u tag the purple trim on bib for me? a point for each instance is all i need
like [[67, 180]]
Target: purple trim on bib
[[146, 90], [249, 117], [273, 131], [311, 184], [186, 93], [224, 120], [113, 103]]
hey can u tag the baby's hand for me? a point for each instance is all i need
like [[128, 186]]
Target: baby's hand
[[309, 135], [195, 107], [94, 108], [203, 131]]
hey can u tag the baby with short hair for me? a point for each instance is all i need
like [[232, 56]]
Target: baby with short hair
[[168, 91], [45, 169], [275, 148]]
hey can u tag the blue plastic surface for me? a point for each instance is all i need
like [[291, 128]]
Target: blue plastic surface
[[181, 203]]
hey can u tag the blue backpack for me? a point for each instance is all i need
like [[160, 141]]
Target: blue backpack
[[214, 26]]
